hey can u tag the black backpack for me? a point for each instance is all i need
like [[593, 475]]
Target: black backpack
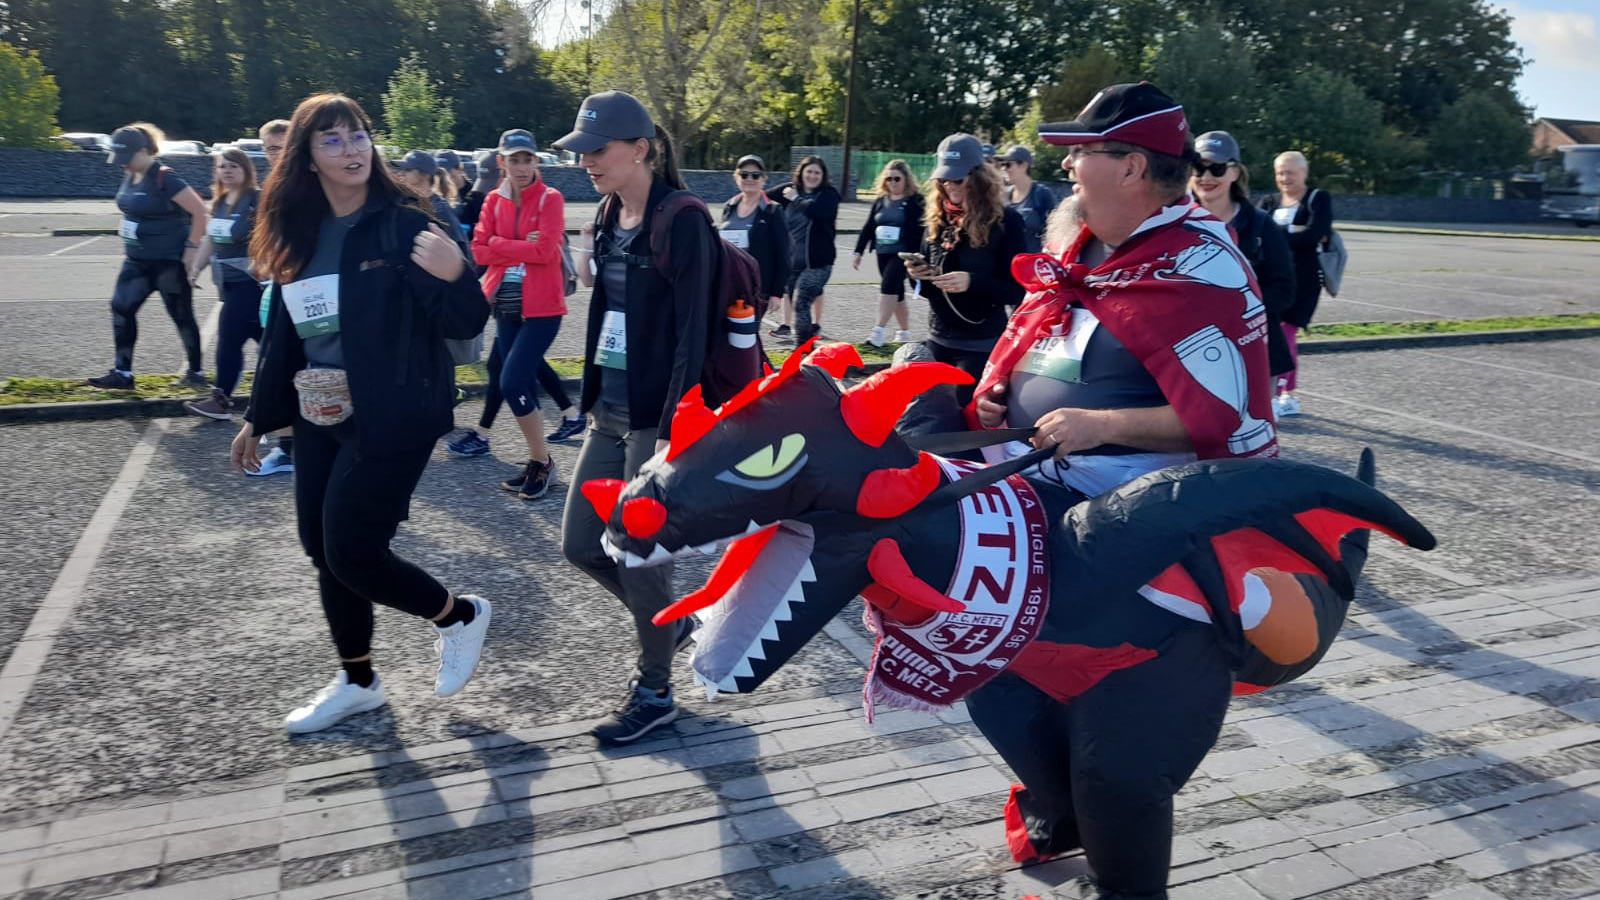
[[735, 288]]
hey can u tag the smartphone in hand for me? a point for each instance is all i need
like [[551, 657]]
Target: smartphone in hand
[[915, 259]]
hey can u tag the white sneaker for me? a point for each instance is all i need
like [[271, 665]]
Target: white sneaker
[[878, 334], [902, 337], [334, 703], [459, 647], [273, 463], [1286, 405]]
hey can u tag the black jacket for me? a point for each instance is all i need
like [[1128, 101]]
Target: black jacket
[[914, 212], [979, 313], [822, 210], [394, 318], [665, 318], [1316, 214], [769, 244], [468, 206], [1265, 245]]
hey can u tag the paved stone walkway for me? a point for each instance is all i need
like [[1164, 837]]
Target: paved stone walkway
[[1447, 748]]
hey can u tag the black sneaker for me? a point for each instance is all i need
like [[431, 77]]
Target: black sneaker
[[112, 380], [780, 331], [515, 482], [536, 479], [642, 710], [569, 427], [195, 380]]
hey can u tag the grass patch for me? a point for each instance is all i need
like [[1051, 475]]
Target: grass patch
[[1450, 326]]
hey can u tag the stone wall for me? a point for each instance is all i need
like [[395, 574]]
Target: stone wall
[[78, 173]]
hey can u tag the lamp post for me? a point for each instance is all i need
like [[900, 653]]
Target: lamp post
[[849, 97]]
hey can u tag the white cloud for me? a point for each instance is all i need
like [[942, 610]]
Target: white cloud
[[1566, 40]]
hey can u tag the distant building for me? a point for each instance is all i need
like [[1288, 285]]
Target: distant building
[[1549, 134]]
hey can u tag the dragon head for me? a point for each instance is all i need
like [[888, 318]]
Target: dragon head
[[753, 480]]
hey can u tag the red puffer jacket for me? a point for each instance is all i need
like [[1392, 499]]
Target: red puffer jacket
[[502, 239]]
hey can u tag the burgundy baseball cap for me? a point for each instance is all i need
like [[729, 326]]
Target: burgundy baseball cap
[[1138, 114]]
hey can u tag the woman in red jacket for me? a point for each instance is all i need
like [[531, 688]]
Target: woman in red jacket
[[519, 235]]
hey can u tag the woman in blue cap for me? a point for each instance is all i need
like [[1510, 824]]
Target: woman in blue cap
[[646, 346]]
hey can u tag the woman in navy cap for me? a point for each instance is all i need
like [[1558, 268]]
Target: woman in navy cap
[[163, 223], [419, 171], [645, 347], [756, 225]]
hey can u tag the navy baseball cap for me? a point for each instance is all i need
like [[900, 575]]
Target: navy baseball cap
[[1018, 153], [418, 161], [125, 143], [1138, 114], [517, 140], [448, 160], [751, 158], [606, 117], [958, 154], [1217, 147]]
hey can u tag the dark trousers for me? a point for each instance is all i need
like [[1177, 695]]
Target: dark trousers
[[969, 361], [349, 504], [1100, 772], [492, 398], [137, 280], [240, 322], [522, 344], [612, 450]]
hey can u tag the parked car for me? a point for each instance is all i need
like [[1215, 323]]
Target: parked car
[[87, 140], [252, 147], [184, 148], [549, 159]]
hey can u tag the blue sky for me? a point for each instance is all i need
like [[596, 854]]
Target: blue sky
[[1562, 37]]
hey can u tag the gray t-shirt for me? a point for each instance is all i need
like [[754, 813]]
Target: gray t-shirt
[[614, 273], [736, 223], [893, 215], [1079, 365], [153, 226], [1034, 208], [232, 240], [326, 351]]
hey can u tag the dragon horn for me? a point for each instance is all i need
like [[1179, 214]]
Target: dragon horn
[[872, 407], [690, 422], [836, 358], [602, 494]]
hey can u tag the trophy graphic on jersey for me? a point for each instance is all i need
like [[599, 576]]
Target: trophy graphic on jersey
[[1218, 366], [1215, 261]]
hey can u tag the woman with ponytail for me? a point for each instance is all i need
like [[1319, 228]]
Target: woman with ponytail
[[646, 347]]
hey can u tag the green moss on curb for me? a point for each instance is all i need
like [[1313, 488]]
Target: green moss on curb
[[1450, 326]]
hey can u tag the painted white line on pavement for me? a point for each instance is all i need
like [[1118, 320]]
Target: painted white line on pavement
[[75, 246], [1451, 426], [1500, 295], [1479, 362], [1430, 313], [28, 657]]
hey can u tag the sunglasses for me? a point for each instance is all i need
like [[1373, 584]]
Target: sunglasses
[[751, 176], [961, 180], [1215, 170], [894, 178]]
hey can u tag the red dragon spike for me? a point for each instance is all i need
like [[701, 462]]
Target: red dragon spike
[[643, 518], [889, 568], [887, 493], [602, 494], [872, 407], [690, 423], [836, 359]]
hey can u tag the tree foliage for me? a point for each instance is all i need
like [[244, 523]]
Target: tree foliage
[[1477, 135], [418, 118], [28, 100]]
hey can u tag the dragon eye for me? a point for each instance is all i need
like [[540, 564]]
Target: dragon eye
[[771, 460]]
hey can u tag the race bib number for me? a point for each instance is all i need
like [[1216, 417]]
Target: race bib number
[[221, 231], [1284, 215], [129, 231], [888, 237], [313, 305], [612, 350], [739, 237], [1060, 356], [515, 273]]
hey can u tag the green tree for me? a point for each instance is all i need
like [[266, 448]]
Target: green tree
[[415, 116], [1203, 68], [1478, 135], [1331, 120], [28, 100], [1078, 79]]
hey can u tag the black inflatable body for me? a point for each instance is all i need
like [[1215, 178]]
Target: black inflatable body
[[1095, 641]]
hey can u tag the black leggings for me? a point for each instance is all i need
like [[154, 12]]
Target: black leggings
[[240, 322], [348, 504], [522, 344], [1100, 771], [492, 398], [137, 280]]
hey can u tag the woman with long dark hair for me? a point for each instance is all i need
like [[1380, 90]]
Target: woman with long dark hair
[[894, 225], [163, 223], [968, 242], [366, 286], [227, 247], [645, 347], [810, 206]]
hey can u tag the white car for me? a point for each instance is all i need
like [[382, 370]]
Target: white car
[[87, 140], [184, 148]]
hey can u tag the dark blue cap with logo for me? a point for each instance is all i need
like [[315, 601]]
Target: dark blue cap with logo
[[517, 140], [448, 160], [125, 143], [958, 154], [418, 161], [606, 117]]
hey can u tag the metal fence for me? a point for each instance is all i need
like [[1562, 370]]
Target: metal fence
[[866, 164]]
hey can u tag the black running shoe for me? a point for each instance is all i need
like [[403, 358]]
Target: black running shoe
[[112, 380], [195, 380], [642, 710], [569, 427], [780, 331], [536, 479]]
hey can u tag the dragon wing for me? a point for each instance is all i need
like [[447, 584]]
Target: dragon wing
[[1235, 538]]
